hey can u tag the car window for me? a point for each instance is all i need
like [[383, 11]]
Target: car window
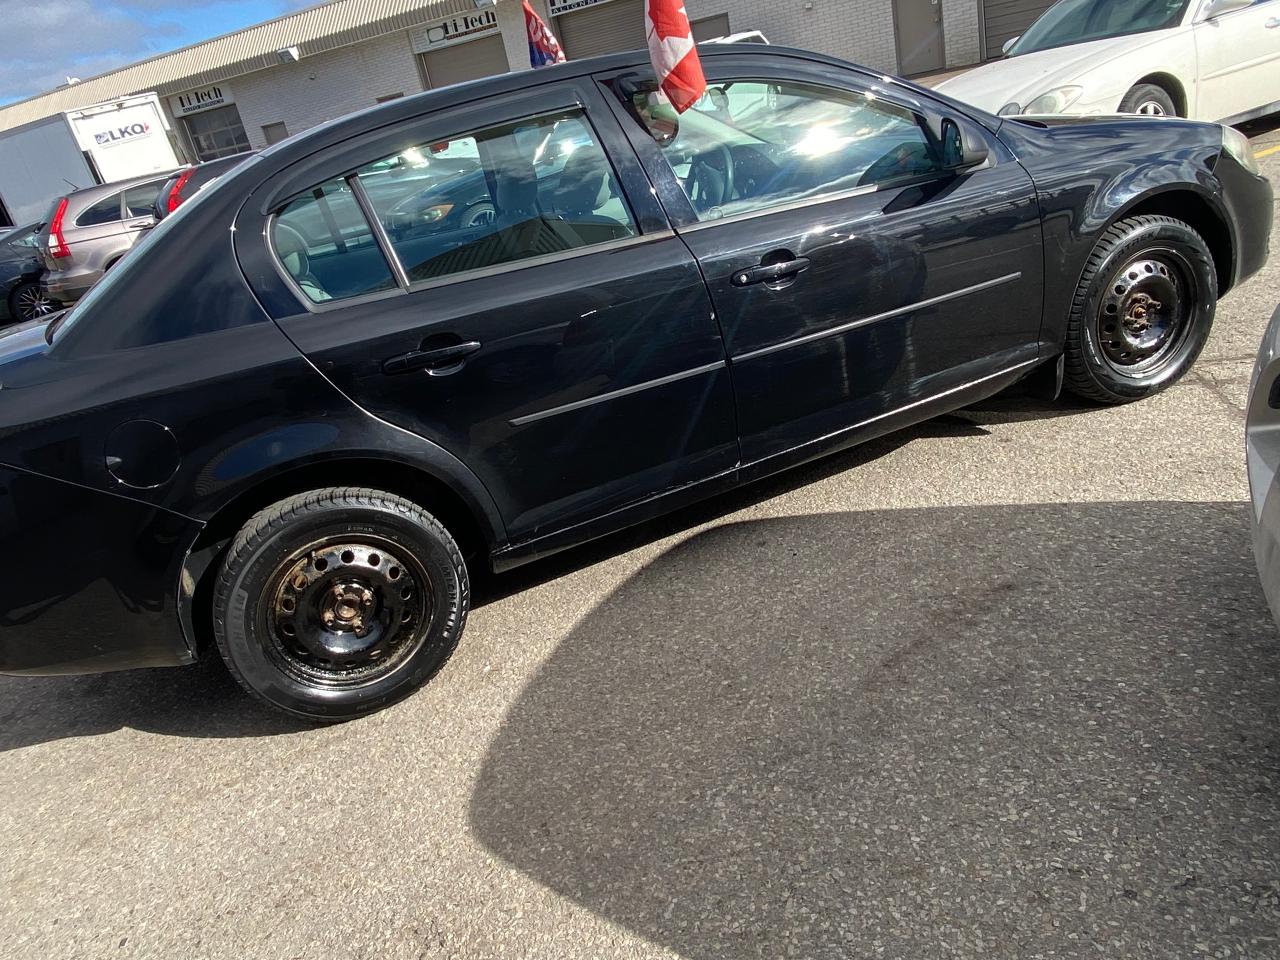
[[1078, 21], [326, 245], [533, 188], [138, 201], [106, 210], [750, 145]]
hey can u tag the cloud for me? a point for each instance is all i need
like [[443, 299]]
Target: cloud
[[83, 38]]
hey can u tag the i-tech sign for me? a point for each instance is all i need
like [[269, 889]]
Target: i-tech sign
[[118, 135]]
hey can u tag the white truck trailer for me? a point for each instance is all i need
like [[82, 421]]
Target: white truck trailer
[[115, 140]]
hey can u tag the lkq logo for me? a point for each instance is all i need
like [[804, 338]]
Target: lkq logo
[[118, 135]]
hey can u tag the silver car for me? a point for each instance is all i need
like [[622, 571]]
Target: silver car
[[90, 230], [1262, 446]]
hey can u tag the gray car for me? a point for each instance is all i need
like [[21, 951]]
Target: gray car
[[90, 230], [1262, 445]]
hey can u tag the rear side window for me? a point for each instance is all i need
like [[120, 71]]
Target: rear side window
[[106, 210], [530, 189], [534, 188], [325, 244], [138, 201]]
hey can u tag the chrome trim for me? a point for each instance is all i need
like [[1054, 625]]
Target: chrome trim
[[379, 229], [617, 394], [876, 318], [480, 273]]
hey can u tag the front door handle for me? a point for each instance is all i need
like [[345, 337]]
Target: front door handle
[[771, 273], [438, 362], [1272, 23]]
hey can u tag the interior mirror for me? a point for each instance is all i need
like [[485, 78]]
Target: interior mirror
[[961, 150], [1218, 7], [1008, 45]]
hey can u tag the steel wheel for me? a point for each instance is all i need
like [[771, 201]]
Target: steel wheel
[[1146, 311], [347, 612]]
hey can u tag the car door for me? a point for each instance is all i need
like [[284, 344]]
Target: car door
[[854, 271], [1238, 57], [531, 313]]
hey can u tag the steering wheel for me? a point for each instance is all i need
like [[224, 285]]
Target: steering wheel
[[727, 175], [901, 161]]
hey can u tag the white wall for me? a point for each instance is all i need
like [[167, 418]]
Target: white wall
[[327, 85]]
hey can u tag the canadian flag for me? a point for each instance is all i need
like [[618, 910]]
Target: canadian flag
[[674, 55]]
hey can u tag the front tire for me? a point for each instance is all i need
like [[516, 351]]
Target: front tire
[[1148, 100], [28, 301], [1142, 312], [334, 604]]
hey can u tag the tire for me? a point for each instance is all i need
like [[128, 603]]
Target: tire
[[1149, 100], [478, 215], [1142, 312], [27, 301], [334, 604]]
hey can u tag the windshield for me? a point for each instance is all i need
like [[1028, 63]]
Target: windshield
[[1078, 21]]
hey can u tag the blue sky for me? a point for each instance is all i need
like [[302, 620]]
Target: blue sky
[[53, 39]]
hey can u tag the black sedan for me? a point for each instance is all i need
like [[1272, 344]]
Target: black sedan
[[286, 432], [21, 297]]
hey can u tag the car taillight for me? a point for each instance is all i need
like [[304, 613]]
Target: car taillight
[[58, 243], [175, 195]]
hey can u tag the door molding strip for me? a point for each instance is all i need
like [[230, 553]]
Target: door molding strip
[[876, 318], [617, 394]]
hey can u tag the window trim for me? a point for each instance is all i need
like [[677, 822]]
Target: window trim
[[399, 274]]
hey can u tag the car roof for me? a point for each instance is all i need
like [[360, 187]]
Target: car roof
[[100, 190], [407, 108]]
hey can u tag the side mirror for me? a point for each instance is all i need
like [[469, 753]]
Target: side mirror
[[1008, 45], [1218, 7], [960, 148]]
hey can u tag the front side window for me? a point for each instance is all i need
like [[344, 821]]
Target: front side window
[[106, 210], [750, 145], [324, 243], [1079, 21], [529, 189]]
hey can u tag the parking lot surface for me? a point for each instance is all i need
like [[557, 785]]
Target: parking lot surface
[[1004, 685]]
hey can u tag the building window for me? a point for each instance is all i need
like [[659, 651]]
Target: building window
[[274, 132], [217, 133]]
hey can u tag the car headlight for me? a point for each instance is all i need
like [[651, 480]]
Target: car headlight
[[1055, 101], [1240, 149], [1011, 109]]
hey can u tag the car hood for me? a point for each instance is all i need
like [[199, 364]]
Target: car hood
[[1022, 79]]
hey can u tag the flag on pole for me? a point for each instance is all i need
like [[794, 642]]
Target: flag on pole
[[674, 55], [544, 48]]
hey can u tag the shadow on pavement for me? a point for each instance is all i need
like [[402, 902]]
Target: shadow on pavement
[[197, 701], [1003, 731]]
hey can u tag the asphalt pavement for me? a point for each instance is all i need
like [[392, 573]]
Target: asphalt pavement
[[1003, 685]]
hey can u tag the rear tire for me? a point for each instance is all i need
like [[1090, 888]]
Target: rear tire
[[334, 604], [1142, 312], [29, 302], [1149, 100]]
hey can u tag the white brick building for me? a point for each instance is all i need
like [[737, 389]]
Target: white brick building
[[255, 86]]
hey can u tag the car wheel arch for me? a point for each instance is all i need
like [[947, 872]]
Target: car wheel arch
[[1198, 212], [1170, 84], [477, 532]]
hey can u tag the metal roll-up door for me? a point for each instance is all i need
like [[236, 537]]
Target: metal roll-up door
[[602, 28], [1005, 19], [465, 61]]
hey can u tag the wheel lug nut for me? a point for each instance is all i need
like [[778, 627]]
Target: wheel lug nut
[[366, 598], [327, 616]]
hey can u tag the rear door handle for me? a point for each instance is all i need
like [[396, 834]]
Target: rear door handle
[[772, 272], [438, 362]]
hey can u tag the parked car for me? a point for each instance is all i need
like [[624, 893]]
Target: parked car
[[1262, 447], [296, 449], [88, 231], [1203, 59], [187, 182], [21, 297]]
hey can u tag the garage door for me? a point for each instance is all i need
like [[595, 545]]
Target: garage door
[[465, 61], [602, 28], [1006, 19]]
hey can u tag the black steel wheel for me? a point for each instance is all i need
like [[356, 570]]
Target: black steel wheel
[[28, 301], [1142, 312], [334, 604]]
